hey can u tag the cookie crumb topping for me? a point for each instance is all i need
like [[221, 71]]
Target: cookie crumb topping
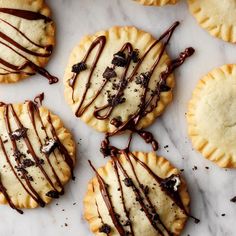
[[49, 146], [77, 68], [105, 229], [119, 59], [19, 133]]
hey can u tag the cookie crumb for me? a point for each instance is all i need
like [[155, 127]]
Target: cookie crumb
[[194, 168], [233, 199], [77, 68]]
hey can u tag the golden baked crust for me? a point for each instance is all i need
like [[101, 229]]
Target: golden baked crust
[[20, 163], [156, 2], [216, 16], [39, 32], [96, 211], [116, 37], [211, 116]]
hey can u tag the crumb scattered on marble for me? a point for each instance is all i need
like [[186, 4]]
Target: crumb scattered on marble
[[194, 168], [233, 199]]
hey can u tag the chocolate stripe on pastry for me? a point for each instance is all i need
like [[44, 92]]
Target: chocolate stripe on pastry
[[128, 168], [20, 143], [8, 42], [123, 59]]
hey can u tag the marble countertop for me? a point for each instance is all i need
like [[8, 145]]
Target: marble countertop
[[210, 189]]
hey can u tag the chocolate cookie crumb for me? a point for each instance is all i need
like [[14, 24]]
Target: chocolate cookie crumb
[[128, 182], [109, 73], [105, 229], [77, 68], [143, 79], [135, 56], [49, 146], [171, 183], [27, 163], [19, 133], [119, 59], [52, 194]]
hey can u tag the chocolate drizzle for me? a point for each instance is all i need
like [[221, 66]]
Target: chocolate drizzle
[[21, 51], [22, 161], [148, 102], [132, 181], [4, 192], [107, 200]]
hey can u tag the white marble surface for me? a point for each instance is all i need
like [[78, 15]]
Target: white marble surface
[[210, 190]]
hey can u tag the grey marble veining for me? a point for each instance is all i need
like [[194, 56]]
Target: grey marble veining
[[210, 189]]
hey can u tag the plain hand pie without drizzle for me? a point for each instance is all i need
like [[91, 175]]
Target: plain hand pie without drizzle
[[211, 116]]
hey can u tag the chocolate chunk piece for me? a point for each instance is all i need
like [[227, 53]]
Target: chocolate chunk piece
[[18, 155], [49, 146], [27, 163], [143, 79], [128, 182], [19, 133], [135, 56], [52, 194], [172, 183], [105, 229], [77, 68], [119, 59], [109, 73]]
